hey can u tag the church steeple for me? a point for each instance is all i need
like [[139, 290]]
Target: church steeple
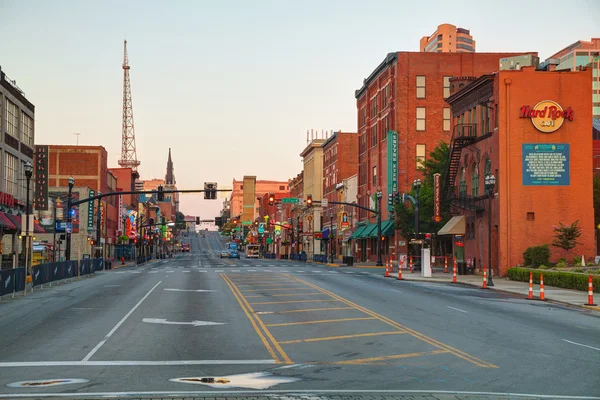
[[170, 177]]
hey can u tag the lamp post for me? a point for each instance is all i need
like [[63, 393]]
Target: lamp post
[[379, 260], [69, 226], [417, 187], [490, 183], [331, 236], [28, 173]]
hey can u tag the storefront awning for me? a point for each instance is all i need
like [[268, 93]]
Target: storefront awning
[[456, 226], [387, 228], [6, 223], [358, 232], [370, 232]]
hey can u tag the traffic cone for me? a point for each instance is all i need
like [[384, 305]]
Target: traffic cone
[[399, 271], [590, 292], [411, 264], [542, 287], [454, 272], [530, 296], [387, 269], [484, 286], [446, 265]]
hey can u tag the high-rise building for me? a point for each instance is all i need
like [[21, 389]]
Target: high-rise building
[[448, 39], [405, 96], [576, 55]]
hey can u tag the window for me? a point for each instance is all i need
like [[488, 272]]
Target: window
[[463, 181], [374, 135], [475, 180], [530, 216], [385, 127], [12, 118], [447, 86], [363, 116], [420, 87], [242, 187], [487, 168], [281, 187], [27, 129], [447, 119], [420, 118], [375, 175], [10, 174], [420, 156], [374, 106], [386, 97]]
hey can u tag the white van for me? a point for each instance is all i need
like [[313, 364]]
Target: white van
[[252, 251]]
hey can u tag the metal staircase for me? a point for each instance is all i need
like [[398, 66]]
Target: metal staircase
[[462, 136]]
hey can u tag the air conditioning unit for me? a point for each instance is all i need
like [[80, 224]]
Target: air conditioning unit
[[518, 62]]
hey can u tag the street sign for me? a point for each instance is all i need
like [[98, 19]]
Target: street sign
[[289, 200], [261, 228], [269, 240], [324, 202], [246, 222]]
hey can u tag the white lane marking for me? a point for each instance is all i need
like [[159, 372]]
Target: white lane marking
[[251, 270], [186, 271], [270, 265], [284, 270], [333, 272], [83, 308], [394, 290], [193, 323], [299, 270], [458, 309], [188, 290], [317, 272], [114, 329], [266, 270], [245, 265], [153, 272], [218, 270], [582, 345], [127, 363], [235, 270], [112, 285], [264, 312], [168, 272], [120, 272]]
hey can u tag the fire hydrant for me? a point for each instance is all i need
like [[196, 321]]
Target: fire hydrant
[[122, 260]]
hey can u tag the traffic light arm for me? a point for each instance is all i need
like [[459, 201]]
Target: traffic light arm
[[354, 205], [103, 195]]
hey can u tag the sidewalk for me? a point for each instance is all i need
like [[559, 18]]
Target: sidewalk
[[565, 296]]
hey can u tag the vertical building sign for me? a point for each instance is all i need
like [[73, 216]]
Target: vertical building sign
[[392, 170], [40, 198], [437, 217], [102, 218], [120, 214], [90, 221]]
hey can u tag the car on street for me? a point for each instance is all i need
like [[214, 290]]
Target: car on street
[[234, 254], [224, 253], [252, 251], [185, 247]]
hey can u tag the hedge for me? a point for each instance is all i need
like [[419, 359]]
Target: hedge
[[566, 280]]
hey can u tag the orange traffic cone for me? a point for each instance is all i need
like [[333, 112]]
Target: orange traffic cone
[[387, 269], [530, 296], [542, 287], [454, 272], [399, 271], [484, 286], [590, 292], [446, 265], [411, 264]]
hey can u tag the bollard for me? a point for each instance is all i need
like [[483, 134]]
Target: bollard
[[530, 296], [590, 292], [454, 272], [542, 287], [484, 286], [399, 271], [446, 264], [411, 265]]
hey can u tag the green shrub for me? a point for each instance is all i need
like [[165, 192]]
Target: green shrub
[[561, 264], [562, 259], [544, 267], [590, 264], [561, 279], [536, 255], [577, 260], [578, 270]]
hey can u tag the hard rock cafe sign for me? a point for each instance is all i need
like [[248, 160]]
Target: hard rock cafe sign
[[547, 116]]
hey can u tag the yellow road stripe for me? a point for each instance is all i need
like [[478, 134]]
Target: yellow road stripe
[[387, 358], [321, 321], [288, 295], [294, 301], [282, 353], [418, 335], [320, 339], [274, 289], [258, 332], [312, 309]]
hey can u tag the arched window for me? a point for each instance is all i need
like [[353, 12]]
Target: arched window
[[463, 181], [487, 169], [475, 180]]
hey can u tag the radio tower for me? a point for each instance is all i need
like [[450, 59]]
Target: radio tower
[[128, 152]]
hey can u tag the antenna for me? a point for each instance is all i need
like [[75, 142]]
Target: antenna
[[128, 152], [77, 134]]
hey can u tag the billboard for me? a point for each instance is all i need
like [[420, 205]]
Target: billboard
[[58, 201]]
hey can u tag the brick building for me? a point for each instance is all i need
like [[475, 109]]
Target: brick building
[[340, 161], [88, 167], [531, 130], [405, 94], [448, 38], [260, 187], [295, 210], [312, 217]]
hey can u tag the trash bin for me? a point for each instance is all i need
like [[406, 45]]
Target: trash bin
[[350, 261], [462, 268]]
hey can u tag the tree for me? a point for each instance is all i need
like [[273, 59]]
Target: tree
[[596, 200], [565, 236], [436, 163]]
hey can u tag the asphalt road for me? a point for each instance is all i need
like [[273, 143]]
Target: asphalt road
[[288, 326]]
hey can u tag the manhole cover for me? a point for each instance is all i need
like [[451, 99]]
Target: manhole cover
[[46, 382]]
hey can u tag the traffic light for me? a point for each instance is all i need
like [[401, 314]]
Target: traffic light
[[160, 195], [151, 221], [92, 242], [309, 200], [271, 199], [397, 197], [210, 190], [390, 200], [197, 220], [235, 221]]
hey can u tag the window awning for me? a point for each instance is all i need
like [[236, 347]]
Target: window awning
[[6, 223], [371, 231], [387, 228], [456, 226], [358, 232]]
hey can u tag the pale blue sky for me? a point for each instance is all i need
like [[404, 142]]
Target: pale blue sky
[[232, 86]]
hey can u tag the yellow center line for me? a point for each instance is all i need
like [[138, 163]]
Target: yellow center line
[[282, 353], [418, 335], [260, 335], [287, 295], [274, 289], [294, 301], [320, 339], [311, 309], [387, 358], [321, 321]]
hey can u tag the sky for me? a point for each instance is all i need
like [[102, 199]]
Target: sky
[[232, 86]]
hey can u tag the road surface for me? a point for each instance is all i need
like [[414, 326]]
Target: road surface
[[289, 326]]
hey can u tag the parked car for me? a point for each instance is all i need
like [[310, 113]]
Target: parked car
[[225, 253]]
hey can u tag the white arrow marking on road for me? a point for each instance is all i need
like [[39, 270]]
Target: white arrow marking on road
[[188, 290], [164, 321]]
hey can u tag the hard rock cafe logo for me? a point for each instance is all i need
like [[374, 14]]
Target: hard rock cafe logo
[[547, 116]]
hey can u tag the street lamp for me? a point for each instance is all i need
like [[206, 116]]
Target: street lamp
[[379, 261], [490, 183], [28, 174], [331, 236], [417, 187], [69, 226]]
